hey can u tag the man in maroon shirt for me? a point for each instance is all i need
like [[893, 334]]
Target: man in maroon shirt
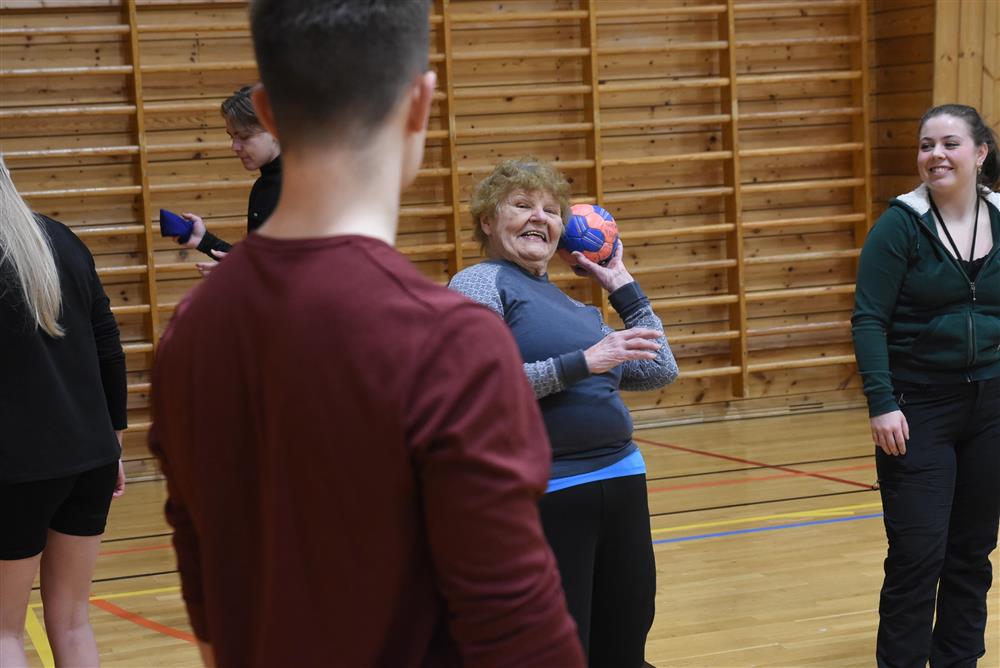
[[363, 490]]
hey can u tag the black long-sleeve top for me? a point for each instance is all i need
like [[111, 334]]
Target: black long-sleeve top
[[61, 400], [263, 201]]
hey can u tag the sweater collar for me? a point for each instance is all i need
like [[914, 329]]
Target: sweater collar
[[544, 278], [920, 202]]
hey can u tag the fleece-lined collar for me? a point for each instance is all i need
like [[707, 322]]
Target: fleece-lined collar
[[919, 199]]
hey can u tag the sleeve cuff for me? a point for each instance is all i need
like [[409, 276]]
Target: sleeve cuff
[[881, 405], [116, 392], [210, 242], [207, 243], [572, 367], [628, 298]]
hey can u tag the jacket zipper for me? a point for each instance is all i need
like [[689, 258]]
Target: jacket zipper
[[970, 327], [972, 288], [972, 336]]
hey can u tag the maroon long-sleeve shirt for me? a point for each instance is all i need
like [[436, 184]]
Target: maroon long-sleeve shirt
[[353, 459]]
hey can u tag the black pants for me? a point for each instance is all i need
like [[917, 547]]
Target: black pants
[[942, 504], [600, 535]]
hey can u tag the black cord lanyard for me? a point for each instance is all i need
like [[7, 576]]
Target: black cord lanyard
[[975, 228]]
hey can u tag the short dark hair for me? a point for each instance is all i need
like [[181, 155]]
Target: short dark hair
[[336, 68], [981, 134], [238, 109]]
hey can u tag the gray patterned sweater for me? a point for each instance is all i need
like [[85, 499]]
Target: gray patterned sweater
[[587, 421]]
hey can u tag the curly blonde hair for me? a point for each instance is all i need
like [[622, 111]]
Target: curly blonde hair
[[528, 174]]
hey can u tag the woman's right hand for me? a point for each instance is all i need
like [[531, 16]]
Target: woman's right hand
[[611, 277], [197, 231], [618, 347], [891, 432]]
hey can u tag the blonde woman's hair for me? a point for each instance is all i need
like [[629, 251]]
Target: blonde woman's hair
[[527, 173], [26, 256]]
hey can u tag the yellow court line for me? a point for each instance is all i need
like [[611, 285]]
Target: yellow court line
[[125, 594], [38, 638], [821, 512]]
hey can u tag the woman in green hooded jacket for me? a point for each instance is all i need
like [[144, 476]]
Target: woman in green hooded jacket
[[926, 332]]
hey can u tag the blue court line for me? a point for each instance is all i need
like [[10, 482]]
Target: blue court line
[[737, 532]]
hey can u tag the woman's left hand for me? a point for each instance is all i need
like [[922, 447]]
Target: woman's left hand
[[120, 483], [611, 277], [205, 268]]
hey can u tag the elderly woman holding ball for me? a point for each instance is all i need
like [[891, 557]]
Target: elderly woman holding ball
[[595, 512]]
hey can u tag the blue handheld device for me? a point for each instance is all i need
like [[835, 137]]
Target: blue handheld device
[[172, 225]]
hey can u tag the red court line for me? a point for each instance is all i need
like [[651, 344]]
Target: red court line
[[741, 481], [142, 621], [740, 460], [148, 548]]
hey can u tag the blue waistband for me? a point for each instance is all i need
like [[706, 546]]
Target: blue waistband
[[633, 464]]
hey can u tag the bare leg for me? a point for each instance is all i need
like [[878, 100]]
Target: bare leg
[[16, 577], [67, 569]]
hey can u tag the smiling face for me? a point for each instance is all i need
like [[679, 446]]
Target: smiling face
[[254, 147], [525, 229], [948, 155]]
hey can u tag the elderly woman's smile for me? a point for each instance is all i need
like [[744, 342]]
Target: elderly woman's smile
[[525, 229]]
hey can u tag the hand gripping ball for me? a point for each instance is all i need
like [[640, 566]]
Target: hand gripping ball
[[592, 231], [172, 225]]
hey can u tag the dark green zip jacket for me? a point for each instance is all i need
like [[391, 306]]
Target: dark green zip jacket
[[917, 316]]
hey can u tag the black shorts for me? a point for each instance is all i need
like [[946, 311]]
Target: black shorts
[[76, 505]]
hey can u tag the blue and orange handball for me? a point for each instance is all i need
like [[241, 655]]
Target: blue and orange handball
[[592, 231]]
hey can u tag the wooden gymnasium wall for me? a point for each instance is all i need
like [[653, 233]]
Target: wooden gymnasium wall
[[967, 56], [730, 138], [901, 50]]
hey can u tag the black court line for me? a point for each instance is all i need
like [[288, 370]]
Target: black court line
[[139, 482], [136, 575], [759, 503], [757, 468], [125, 577], [149, 535]]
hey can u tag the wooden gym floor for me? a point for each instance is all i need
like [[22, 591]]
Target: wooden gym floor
[[768, 540]]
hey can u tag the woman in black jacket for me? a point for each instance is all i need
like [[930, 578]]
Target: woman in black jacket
[[62, 414], [927, 339], [257, 149]]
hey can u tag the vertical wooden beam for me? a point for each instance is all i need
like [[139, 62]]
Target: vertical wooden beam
[[592, 109], [145, 196], [972, 30], [456, 259], [966, 55], [860, 124], [729, 103], [991, 66], [946, 49]]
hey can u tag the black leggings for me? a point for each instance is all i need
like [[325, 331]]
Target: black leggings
[[600, 535], [942, 505]]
